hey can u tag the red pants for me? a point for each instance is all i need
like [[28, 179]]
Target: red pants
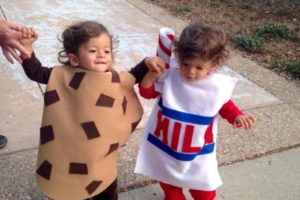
[[175, 193]]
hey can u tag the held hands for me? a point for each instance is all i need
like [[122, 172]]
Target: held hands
[[243, 121], [156, 66], [29, 36], [9, 35]]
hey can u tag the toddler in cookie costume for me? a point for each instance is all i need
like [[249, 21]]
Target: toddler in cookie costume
[[90, 110]]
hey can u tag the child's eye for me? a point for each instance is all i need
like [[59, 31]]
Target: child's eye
[[107, 51], [199, 68], [92, 50], [185, 65]]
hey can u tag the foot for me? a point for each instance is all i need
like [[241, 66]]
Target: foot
[[3, 141]]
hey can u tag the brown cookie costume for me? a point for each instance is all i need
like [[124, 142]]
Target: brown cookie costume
[[87, 117]]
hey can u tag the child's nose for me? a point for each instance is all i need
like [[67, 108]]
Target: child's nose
[[191, 70], [101, 54]]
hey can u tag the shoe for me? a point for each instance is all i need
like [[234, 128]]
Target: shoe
[[3, 141]]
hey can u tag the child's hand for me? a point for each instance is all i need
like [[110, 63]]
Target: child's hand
[[155, 64], [244, 121], [153, 75], [156, 68], [29, 36]]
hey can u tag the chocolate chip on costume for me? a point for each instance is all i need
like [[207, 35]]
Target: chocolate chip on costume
[[90, 130], [91, 116], [76, 80], [45, 170], [115, 78], [51, 97], [105, 101], [92, 186], [112, 148], [134, 125], [124, 105], [78, 168], [46, 134]]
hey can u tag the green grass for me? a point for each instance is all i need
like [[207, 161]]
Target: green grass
[[245, 5], [181, 10], [274, 31], [251, 44], [289, 67], [255, 43]]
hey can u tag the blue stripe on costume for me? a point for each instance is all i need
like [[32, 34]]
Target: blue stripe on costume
[[206, 149], [184, 117]]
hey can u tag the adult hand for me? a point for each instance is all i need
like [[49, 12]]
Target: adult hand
[[9, 35]]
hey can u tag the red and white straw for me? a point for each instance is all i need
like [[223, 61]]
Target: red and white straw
[[165, 43]]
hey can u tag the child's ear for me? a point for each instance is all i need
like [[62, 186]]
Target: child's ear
[[74, 61], [212, 68]]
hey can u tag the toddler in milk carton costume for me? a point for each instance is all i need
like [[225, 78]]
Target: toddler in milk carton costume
[[179, 143]]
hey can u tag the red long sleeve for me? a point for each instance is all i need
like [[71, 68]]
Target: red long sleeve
[[148, 93], [230, 111]]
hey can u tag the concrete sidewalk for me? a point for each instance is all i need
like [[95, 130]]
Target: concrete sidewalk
[[271, 99], [273, 177]]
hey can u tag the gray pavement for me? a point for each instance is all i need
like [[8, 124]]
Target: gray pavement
[[263, 163], [273, 177]]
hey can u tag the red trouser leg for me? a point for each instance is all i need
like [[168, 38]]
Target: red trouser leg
[[172, 192], [203, 195]]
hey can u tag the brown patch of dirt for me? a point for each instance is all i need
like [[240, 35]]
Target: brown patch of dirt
[[242, 18]]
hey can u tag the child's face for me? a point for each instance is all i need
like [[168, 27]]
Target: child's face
[[96, 54], [195, 69]]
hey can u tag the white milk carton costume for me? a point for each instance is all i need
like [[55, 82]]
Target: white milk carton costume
[[178, 146]]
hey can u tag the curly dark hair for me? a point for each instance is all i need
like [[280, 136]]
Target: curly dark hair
[[200, 40], [77, 34]]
